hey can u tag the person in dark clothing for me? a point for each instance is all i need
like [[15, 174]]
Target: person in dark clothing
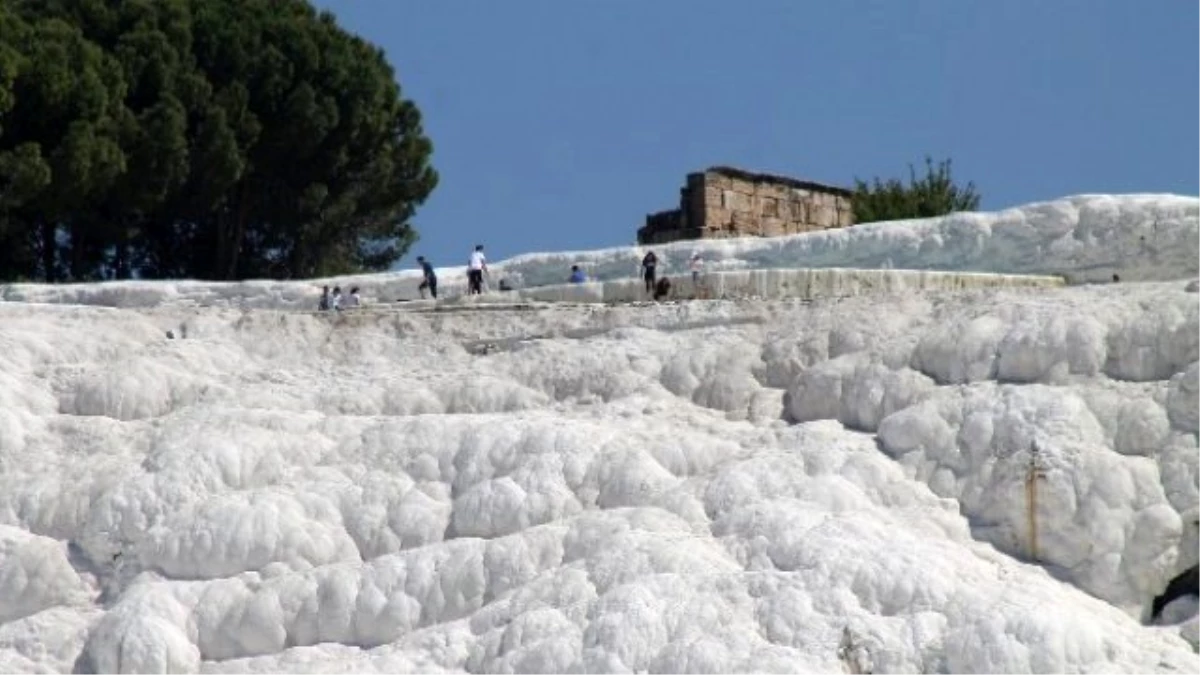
[[430, 280], [325, 301], [649, 264], [662, 289]]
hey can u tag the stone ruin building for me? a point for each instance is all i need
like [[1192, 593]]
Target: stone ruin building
[[723, 202]]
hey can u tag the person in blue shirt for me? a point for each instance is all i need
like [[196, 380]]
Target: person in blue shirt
[[430, 281], [577, 275]]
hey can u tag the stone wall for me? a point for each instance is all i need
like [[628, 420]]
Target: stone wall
[[722, 202], [665, 221]]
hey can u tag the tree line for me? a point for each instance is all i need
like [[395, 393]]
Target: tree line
[[209, 139]]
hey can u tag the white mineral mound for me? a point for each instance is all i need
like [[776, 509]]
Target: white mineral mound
[[1086, 238], [841, 485]]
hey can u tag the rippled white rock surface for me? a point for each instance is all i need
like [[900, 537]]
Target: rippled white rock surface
[[768, 486]]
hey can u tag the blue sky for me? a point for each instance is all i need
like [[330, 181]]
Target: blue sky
[[559, 125]]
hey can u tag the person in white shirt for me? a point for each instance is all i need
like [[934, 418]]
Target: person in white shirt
[[475, 270], [696, 264], [337, 299], [355, 299]]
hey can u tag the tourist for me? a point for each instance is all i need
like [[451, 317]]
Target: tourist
[[662, 289], [649, 263], [476, 268], [430, 278]]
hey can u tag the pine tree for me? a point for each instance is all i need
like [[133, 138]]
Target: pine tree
[[212, 139]]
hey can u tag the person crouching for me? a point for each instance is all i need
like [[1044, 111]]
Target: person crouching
[[662, 288]]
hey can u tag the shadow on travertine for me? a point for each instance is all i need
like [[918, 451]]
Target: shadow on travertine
[[763, 284], [788, 283]]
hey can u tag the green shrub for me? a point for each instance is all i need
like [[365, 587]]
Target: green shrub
[[935, 194]]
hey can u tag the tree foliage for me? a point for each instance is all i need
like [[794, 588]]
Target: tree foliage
[[215, 139], [935, 194]]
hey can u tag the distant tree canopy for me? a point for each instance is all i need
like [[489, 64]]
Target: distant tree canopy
[[213, 139], [935, 194]]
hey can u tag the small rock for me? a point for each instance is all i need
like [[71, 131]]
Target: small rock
[[170, 335], [1193, 286]]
